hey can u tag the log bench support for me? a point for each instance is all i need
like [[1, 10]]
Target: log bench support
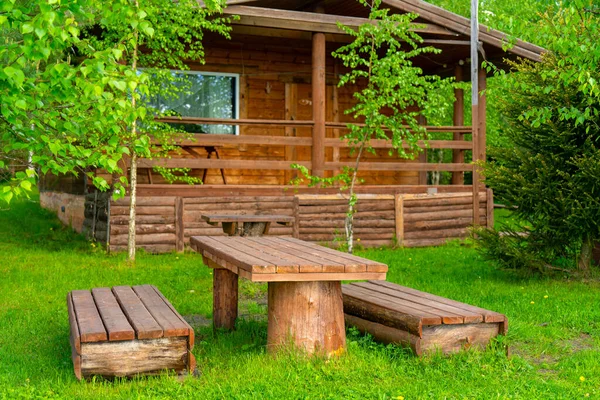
[[424, 322]]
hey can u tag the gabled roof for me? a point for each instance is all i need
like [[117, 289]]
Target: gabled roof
[[441, 28], [462, 25]]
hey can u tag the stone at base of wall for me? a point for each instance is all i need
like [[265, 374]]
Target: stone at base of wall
[[69, 207]]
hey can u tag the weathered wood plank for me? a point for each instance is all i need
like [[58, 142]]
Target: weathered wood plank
[[132, 357], [168, 303], [427, 316], [489, 316], [317, 276], [244, 261], [140, 318], [453, 338], [386, 334], [450, 314], [321, 262], [115, 321], [169, 321], [373, 309], [73, 325], [91, 328]]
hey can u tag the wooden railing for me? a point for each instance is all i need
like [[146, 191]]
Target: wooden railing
[[264, 140]]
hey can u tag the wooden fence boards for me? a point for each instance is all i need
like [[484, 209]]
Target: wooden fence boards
[[166, 223]]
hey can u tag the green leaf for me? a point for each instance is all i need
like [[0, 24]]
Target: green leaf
[[26, 185], [26, 28], [112, 164], [40, 32]]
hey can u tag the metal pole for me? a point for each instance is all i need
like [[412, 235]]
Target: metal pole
[[474, 51], [475, 104]]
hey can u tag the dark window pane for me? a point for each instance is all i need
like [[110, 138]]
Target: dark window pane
[[202, 95]]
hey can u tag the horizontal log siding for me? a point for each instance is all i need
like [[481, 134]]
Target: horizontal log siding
[[155, 224], [427, 220], [239, 205]]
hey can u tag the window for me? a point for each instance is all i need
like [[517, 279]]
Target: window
[[206, 94]]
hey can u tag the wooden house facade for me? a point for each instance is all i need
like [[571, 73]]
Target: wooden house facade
[[268, 98]]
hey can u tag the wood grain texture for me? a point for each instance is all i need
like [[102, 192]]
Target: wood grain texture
[[129, 358], [385, 334], [279, 259], [169, 321], [225, 299], [309, 314], [115, 321], [449, 314], [451, 339], [488, 316], [168, 303], [138, 315], [91, 328]]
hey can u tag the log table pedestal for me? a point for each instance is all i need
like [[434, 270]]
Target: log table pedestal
[[305, 296]]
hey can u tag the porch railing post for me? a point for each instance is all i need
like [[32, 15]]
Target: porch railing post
[[318, 102], [458, 156]]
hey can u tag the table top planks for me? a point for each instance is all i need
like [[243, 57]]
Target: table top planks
[[123, 313], [216, 218], [284, 259]]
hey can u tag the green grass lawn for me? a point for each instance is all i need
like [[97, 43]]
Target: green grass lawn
[[554, 334]]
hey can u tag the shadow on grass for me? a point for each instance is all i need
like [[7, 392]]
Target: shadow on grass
[[26, 225]]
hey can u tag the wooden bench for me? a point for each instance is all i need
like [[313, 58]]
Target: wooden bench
[[125, 331], [396, 314]]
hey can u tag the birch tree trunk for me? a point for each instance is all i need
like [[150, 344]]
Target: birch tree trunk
[[133, 167]]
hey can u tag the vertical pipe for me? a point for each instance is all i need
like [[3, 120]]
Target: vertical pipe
[[318, 100], [482, 114], [475, 104], [458, 156]]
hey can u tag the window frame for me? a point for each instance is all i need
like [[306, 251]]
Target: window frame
[[236, 94]]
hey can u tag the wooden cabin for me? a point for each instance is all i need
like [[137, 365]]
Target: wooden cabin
[[268, 98]]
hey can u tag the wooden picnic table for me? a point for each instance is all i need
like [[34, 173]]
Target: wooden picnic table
[[246, 224], [304, 286]]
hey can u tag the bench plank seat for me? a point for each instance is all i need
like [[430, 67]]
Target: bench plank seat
[[125, 331], [115, 321], [423, 321]]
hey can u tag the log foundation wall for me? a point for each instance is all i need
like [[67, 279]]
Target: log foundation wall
[[166, 223]]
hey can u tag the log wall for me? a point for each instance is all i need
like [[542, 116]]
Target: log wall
[[274, 84], [410, 220], [166, 223]]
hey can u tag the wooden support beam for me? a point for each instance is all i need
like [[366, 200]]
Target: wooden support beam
[[458, 156], [263, 140], [291, 106], [282, 165], [399, 219], [335, 111], [312, 22], [204, 163], [318, 102]]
